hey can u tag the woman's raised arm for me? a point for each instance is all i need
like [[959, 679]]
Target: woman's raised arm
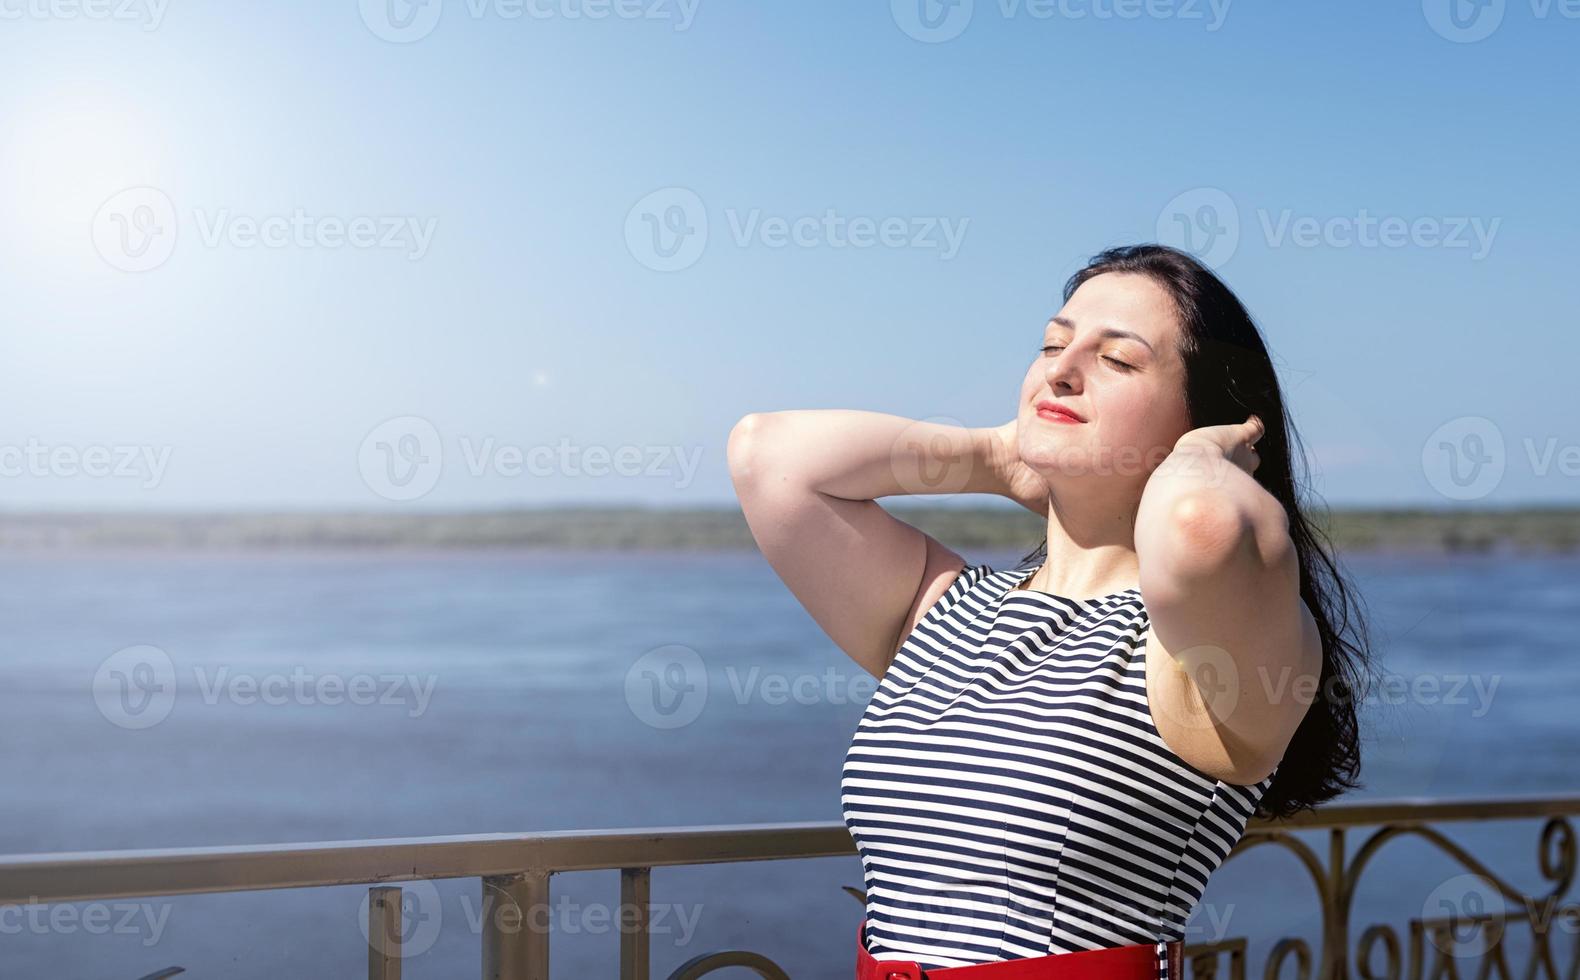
[[808, 483]]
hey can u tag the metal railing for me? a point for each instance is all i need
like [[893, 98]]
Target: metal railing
[[515, 872]]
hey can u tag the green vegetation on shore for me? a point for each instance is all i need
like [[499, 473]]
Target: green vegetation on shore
[[1549, 530]]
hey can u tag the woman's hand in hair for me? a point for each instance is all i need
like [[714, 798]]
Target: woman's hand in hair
[[1020, 482], [1236, 442]]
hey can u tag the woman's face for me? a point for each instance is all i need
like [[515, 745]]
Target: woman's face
[[1112, 357]]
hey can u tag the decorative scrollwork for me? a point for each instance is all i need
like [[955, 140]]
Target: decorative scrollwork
[[1561, 874], [1202, 961], [1289, 946], [707, 963], [1561, 867], [1555, 859], [1390, 943], [1283, 950], [1337, 883]]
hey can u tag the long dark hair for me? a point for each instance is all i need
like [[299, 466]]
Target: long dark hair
[[1229, 376]]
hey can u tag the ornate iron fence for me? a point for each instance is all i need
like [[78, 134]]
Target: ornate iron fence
[[515, 873]]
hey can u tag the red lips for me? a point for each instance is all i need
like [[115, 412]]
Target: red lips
[[1047, 409]]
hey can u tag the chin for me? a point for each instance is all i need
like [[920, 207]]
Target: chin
[[1052, 457], [1055, 462]]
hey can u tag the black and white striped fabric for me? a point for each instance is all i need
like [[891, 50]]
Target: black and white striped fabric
[[1009, 793]]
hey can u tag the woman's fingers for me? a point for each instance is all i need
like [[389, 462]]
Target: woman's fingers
[[1254, 430]]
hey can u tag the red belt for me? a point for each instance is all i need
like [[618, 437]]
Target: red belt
[[1138, 962]]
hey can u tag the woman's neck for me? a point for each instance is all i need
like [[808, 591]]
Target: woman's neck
[[1091, 545]]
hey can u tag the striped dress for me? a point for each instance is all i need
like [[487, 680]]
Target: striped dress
[[1008, 791]]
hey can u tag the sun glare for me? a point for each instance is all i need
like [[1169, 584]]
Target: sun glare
[[65, 156]]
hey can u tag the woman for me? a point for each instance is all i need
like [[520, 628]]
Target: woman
[[1058, 754]]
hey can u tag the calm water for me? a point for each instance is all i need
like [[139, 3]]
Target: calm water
[[338, 697]]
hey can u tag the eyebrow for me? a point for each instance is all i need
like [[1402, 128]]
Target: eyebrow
[[1106, 332]]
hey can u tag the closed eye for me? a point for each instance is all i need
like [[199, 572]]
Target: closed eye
[[1116, 362]]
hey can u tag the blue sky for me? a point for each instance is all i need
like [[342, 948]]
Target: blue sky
[[297, 255]]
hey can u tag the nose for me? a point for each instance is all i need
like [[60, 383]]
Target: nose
[[1064, 372]]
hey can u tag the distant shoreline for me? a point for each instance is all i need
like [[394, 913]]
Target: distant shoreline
[[1525, 530]]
